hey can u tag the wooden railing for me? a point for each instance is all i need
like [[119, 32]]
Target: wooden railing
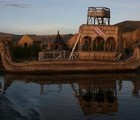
[[53, 55]]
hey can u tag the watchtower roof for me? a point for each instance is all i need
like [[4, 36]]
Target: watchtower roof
[[99, 12]]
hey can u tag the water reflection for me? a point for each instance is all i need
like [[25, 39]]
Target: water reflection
[[94, 93], [99, 81], [98, 97], [136, 89]]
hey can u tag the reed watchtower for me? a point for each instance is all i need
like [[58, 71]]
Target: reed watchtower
[[98, 16], [97, 40]]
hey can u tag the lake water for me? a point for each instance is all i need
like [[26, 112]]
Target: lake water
[[70, 97]]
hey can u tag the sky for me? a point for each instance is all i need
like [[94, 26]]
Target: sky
[[44, 17]]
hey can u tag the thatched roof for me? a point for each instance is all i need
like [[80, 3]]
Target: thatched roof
[[128, 26], [34, 37], [59, 41], [72, 40]]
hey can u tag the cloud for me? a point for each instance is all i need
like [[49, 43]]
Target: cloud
[[16, 5]]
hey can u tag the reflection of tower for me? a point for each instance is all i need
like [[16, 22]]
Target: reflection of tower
[[136, 89], [57, 88], [97, 97], [7, 83], [98, 16], [1, 88], [120, 84], [42, 89]]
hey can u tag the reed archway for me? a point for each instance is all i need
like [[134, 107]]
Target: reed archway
[[110, 44], [98, 44], [86, 43]]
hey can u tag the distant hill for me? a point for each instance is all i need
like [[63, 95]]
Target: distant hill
[[128, 26], [65, 37], [16, 38], [6, 34]]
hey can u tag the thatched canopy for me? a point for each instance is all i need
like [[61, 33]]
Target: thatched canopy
[[72, 40]]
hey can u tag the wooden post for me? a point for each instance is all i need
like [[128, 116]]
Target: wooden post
[[72, 52]]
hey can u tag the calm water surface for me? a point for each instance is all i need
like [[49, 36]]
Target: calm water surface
[[70, 97]]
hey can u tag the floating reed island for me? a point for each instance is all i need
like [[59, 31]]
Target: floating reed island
[[98, 48]]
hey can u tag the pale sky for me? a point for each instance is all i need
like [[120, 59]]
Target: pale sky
[[49, 16]]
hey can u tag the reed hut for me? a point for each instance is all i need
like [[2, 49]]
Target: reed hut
[[59, 43], [28, 40]]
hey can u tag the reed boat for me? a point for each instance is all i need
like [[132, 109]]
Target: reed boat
[[131, 64]]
